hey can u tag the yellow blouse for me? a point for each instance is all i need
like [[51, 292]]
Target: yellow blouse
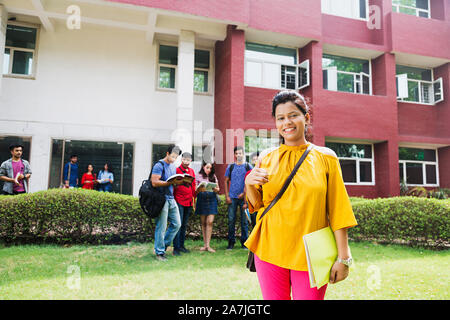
[[317, 187]]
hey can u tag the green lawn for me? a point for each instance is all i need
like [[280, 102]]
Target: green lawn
[[131, 272]]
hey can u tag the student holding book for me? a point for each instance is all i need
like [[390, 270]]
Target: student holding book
[[206, 205], [160, 174], [15, 172], [184, 196], [316, 192]]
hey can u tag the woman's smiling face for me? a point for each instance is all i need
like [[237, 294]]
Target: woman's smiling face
[[290, 123]]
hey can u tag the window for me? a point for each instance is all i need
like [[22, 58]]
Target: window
[[168, 60], [355, 9], [274, 67], [201, 65], [346, 74], [159, 152], [258, 143], [20, 50], [167, 68], [356, 160], [204, 152], [303, 74], [418, 167], [118, 154], [419, 8], [417, 85]]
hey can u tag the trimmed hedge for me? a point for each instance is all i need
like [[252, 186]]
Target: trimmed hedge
[[407, 220], [72, 216], [85, 216]]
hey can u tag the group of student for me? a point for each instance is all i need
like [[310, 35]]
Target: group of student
[[182, 199], [101, 182], [16, 172], [316, 198], [313, 199]]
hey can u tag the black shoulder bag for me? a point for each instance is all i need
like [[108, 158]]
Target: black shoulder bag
[[151, 200], [251, 256]]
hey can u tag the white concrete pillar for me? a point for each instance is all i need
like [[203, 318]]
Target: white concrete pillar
[[142, 163], [185, 91], [40, 162], [3, 23]]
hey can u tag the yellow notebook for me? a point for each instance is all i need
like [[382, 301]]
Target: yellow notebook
[[321, 253]]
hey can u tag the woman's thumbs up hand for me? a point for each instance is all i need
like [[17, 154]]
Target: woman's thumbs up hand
[[257, 175]]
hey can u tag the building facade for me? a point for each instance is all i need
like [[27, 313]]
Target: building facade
[[117, 81]]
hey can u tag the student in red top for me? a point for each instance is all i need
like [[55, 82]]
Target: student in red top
[[184, 196], [89, 178]]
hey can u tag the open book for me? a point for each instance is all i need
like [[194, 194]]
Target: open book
[[208, 185], [187, 178]]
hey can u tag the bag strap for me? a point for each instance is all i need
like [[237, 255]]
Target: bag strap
[[231, 170], [288, 181], [150, 175], [68, 174], [247, 168]]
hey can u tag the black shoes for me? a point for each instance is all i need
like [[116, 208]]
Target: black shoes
[[161, 257], [184, 250], [176, 253], [230, 245]]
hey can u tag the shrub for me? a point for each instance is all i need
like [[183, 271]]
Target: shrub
[[446, 191], [409, 220], [72, 216], [86, 216], [437, 194], [417, 192], [403, 188]]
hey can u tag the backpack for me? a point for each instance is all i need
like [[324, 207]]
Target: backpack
[[247, 167], [151, 200]]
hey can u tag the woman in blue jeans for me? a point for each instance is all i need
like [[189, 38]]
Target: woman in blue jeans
[[206, 205], [105, 178]]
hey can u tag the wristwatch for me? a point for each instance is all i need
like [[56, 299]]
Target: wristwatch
[[347, 262]]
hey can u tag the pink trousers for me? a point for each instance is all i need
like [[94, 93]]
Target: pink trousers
[[276, 283]]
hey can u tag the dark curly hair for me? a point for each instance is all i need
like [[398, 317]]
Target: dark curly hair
[[211, 175]]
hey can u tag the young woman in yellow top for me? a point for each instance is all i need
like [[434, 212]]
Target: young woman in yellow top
[[316, 190]]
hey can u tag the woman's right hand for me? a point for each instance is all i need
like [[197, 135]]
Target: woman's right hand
[[257, 176]]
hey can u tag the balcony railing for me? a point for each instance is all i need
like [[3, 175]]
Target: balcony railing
[[419, 91], [273, 75], [346, 81], [419, 12]]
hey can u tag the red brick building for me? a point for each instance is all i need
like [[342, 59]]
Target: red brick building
[[376, 74], [378, 119]]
